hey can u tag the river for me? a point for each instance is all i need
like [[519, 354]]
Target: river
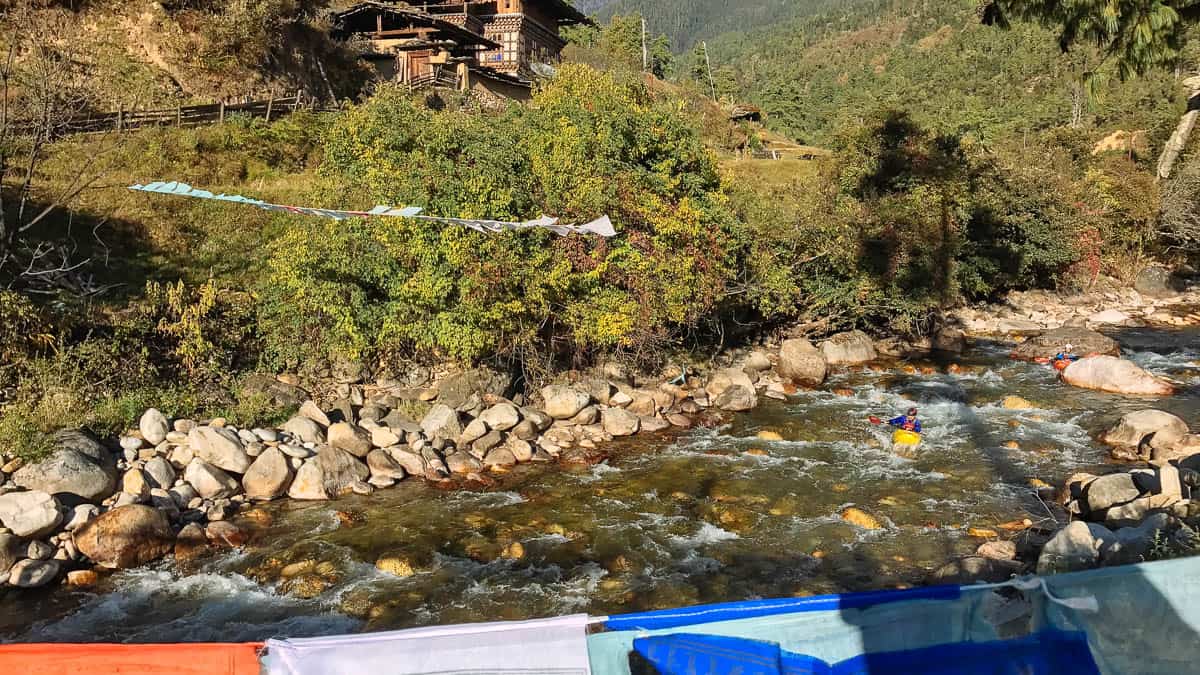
[[706, 515]]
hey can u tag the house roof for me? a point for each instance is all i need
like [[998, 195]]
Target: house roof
[[564, 13], [403, 11]]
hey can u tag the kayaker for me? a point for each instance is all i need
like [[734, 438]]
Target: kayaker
[[908, 421], [1067, 354]]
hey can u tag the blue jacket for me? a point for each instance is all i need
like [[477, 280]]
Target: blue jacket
[[902, 422]]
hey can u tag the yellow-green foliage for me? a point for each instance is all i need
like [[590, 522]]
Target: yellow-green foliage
[[590, 144]]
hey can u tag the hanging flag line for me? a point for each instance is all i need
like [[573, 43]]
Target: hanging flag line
[[602, 226]]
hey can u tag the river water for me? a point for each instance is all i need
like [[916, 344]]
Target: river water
[[706, 515]]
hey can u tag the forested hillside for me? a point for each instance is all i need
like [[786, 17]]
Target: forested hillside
[[936, 61], [686, 21]]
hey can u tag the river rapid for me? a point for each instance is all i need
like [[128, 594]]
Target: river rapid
[[706, 515]]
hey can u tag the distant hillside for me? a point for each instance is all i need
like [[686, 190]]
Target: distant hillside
[[934, 59], [686, 21]]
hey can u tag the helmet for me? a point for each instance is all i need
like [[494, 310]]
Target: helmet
[[912, 412]]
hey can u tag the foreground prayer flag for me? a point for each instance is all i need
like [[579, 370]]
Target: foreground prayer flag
[[602, 226]]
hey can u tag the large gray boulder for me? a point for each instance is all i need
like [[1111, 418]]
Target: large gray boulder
[[442, 421], [849, 348], [309, 483], [802, 363], [340, 470], [127, 536], [737, 398], [382, 465], [210, 481], [153, 426], [501, 417], [33, 573], [78, 467], [1116, 376], [304, 429], [161, 473], [268, 477], [1156, 282], [1075, 547], [412, 462], [1112, 490], [619, 422], [1166, 428], [563, 402], [1082, 340], [351, 438], [220, 447], [31, 515]]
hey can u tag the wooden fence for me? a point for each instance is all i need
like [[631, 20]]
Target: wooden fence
[[187, 116]]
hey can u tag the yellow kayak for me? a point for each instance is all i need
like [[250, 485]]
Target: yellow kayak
[[905, 437]]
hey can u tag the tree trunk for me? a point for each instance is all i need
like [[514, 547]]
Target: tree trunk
[[1179, 137]]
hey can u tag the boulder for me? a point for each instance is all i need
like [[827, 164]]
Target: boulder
[[587, 416], [462, 463], [30, 515], [998, 550], [12, 549], [1051, 342], [1134, 428], [160, 472], [134, 483], [269, 476], [191, 542], [849, 348], [723, 380], [520, 449], [280, 394], [33, 573], [412, 462], [737, 399], [309, 483], [619, 422], [1110, 317], [154, 426], [755, 363], [1112, 490], [350, 437], [210, 481], [951, 340], [305, 429], [127, 536], [1156, 282], [563, 402], [442, 421], [220, 447], [456, 390], [1129, 545], [1185, 447], [1114, 375], [501, 457], [312, 411], [78, 467], [975, 569], [1018, 327], [1075, 547], [340, 470], [384, 437], [501, 417], [381, 464]]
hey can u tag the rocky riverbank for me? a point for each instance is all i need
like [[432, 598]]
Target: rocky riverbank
[[174, 485]]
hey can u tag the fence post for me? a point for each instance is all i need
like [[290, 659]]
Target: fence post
[[221, 117], [178, 115], [120, 116], [270, 102]]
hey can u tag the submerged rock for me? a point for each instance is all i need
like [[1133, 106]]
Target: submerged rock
[[860, 518]]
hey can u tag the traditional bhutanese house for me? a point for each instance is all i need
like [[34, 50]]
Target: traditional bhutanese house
[[489, 45]]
